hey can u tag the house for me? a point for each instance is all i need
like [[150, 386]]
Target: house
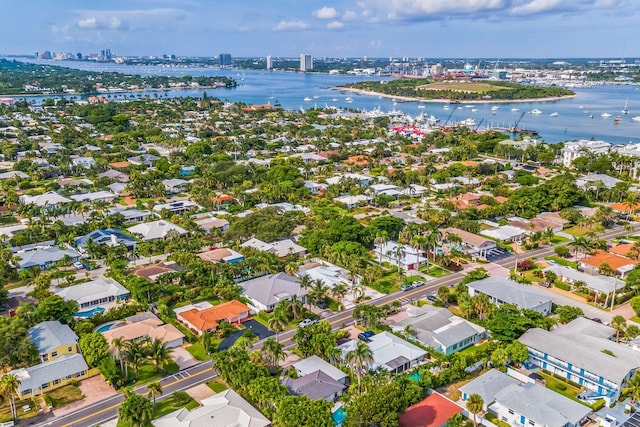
[[353, 201], [362, 180], [389, 352], [403, 256], [331, 275], [434, 411], [227, 408], [108, 236], [13, 175], [209, 222], [439, 329], [466, 200], [204, 317], [621, 266], [44, 257], [131, 215], [266, 291], [505, 291], [118, 188], [316, 385], [53, 339], [505, 233], [583, 352], [143, 160], [315, 187], [175, 185], [95, 292], [590, 181], [598, 283], [50, 199], [228, 256], [115, 175], [386, 189], [178, 207], [156, 230], [48, 376], [281, 248], [153, 271], [471, 243], [96, 196], [314, 363], [83, 162], [526, 403], [145, 325]]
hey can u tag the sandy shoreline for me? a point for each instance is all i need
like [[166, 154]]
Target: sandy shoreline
[[448, 101]]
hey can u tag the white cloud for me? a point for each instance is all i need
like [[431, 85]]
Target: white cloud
[[349, 15], [335, 25], [535, 6], [325, 13], [131, 20], [291, 26]]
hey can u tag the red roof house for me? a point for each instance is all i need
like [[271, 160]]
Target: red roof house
[[433, 411]]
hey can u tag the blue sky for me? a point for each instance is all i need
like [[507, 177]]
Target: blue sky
[[376, 28]]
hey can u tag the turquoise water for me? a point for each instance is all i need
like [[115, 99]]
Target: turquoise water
[[339, 415], [106, 327], [415, 376], [90, 313]]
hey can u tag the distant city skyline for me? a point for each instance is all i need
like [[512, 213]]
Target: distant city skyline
[[349, 28]]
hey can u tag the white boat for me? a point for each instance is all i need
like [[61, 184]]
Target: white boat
[[605, 115], [625, 110], [514, 109], [536, 111], [581, 107], [495, 108], [554, 114], [473, 110], [446, 107], [420, 106], [468, 122], [636, 119], [348, 99], [316, 96], [307, 99], [334, 99]]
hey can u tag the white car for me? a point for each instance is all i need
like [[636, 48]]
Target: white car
[[78, 265], [307, 322]]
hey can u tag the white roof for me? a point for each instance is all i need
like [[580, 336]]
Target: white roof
[[314, 363], [386, 348], [504, 232], [411, 256], [92, 291], [49, 198], [156, 229], [98, 195]]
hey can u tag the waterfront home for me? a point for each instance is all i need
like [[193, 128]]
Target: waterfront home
[[406, 258], [203, 317], [156, 230], [517, 403], [389, 352], [51, 375], [108, 236], [227, 408], [438, 328], [583, 351], [94, 293], [574, 149], [145, 325], [265, 292], [505, 291], [53, 339]]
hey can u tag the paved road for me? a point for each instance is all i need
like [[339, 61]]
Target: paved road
[[107, 409]]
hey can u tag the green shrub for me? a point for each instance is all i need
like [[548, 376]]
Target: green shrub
[[561, 387], [561, 285]]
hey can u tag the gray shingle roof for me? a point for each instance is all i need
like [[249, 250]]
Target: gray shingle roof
[[44, 256], [48, 336], [265, 289], [314, 363], [510, 292], [316, 385], [33, 377], [488, 384]]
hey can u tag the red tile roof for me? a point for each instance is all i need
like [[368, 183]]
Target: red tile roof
[[434, 411]]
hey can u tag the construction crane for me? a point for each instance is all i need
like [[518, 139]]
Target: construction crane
[[453, 110], [478, 126], [514, 129]]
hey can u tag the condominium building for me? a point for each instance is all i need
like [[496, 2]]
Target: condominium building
[[306, 62]]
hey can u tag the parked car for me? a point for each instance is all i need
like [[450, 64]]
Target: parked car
[[307, 322], [432, 298], [78, 265], [322, 304], [366, 336], [552, 262], [407, 286], [545, 284], [418, 283], [597, 320]]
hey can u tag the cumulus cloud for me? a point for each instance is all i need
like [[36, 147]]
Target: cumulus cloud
[[131, 20], [335, 25], [349, 15], [325, 13], [291, 26]]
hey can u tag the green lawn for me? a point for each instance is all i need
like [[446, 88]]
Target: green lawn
[[558, 239], [562, 261], [164, 407], [434, 271], [564, 388], [147, 375], [217, 385], [65, 395], [473, 349], [5, 410], [198, 352]]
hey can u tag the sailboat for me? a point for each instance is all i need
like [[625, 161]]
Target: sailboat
[[625, 110]]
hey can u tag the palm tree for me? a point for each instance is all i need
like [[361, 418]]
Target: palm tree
[[205, 341], [358, 358], [277, 322], [380, 240], [274, 351], [339, 291], [632, 387], [398, 253], [480, 303], [475, 405], [618, 323], [155, 390], [9, 386], [158, 353], [135, 355], [119, 344], [136, 409]]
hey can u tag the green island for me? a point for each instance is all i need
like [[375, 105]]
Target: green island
[[459, 90], [20, 78]]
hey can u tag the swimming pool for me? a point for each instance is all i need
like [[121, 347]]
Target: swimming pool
[[339, 415], [89, 313], [106, 326]]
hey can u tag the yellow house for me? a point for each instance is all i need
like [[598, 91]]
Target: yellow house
[[47, 376], [53, 339]]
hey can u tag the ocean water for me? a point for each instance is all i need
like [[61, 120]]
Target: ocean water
[[575, 118]]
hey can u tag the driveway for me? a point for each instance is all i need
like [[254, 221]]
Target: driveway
[[183, 358], [256, 327]]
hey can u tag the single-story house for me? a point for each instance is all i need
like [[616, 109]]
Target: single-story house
[[316, 385], [281, 248], [389, 352], [93, 293], [265, 292], [600, 283], [471, 244], [115, 175], [178, 207], [104, 196], [410, 258], [505, 291], [440, 329], [434, 411], [107, 236], [204, 317], [50, 199], [505, 233], [156, 230], [227, 408], [314, 363], [153, 271], [226, 255], [331, 275], [146, 325], [45, 257], [621, 266], [353, 201], [143, 160], [174, 185], [131, 215], [209, 222]]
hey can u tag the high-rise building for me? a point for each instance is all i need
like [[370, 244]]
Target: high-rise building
[[225, 59], [306, 62], [269, 62]]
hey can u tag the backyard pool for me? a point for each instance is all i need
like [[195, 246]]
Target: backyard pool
[[107, 326], [339, 415], [89, 313]]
